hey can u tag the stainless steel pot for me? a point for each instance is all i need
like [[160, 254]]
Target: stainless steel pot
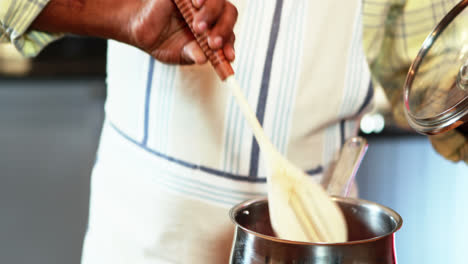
[[371, 239]]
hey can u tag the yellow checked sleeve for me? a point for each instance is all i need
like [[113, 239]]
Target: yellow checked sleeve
[[15, 18], [394, 31]]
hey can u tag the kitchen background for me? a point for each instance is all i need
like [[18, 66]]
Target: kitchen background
[[51, 109]]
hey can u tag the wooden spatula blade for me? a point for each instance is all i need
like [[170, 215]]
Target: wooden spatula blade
[[300, 208]]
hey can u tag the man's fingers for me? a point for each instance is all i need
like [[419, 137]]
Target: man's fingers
[[229, 52], [192, 53], [216, 18], [228, 49], [208, 14], [198, 3], [222, 31]]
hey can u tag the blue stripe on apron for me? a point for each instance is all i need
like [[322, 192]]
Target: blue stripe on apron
[[149, 84], [262, 100]]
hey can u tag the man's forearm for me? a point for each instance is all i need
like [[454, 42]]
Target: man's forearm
[[98, 18], [154, 26]]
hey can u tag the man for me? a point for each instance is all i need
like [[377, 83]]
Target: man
[[175, 152]]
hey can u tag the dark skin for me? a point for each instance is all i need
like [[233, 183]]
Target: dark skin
[[154, 26]]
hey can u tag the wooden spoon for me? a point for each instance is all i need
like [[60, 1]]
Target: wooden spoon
[[300, 209]]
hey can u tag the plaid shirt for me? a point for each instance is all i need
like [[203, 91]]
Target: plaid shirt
[[15, 18], [393, 33]]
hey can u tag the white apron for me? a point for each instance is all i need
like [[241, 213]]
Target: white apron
[[176, 153]]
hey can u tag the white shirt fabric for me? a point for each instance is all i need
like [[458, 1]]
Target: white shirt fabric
[[176, 154]]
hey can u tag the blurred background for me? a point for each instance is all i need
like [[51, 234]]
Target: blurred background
[[51, 110]]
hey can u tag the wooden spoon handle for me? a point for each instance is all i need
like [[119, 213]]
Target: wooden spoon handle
[[265, 144], [218, 60]]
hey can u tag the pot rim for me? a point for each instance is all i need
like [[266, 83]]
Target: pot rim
[[355, 201]]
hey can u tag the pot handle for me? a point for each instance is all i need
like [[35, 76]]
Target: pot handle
[[350, 158]]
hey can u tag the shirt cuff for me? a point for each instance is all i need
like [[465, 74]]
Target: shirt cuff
[[15, 18]]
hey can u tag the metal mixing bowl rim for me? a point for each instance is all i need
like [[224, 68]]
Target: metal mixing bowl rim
[[398, 219]]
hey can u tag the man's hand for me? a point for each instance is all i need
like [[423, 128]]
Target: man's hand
[[453, 145], [155, 26]]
